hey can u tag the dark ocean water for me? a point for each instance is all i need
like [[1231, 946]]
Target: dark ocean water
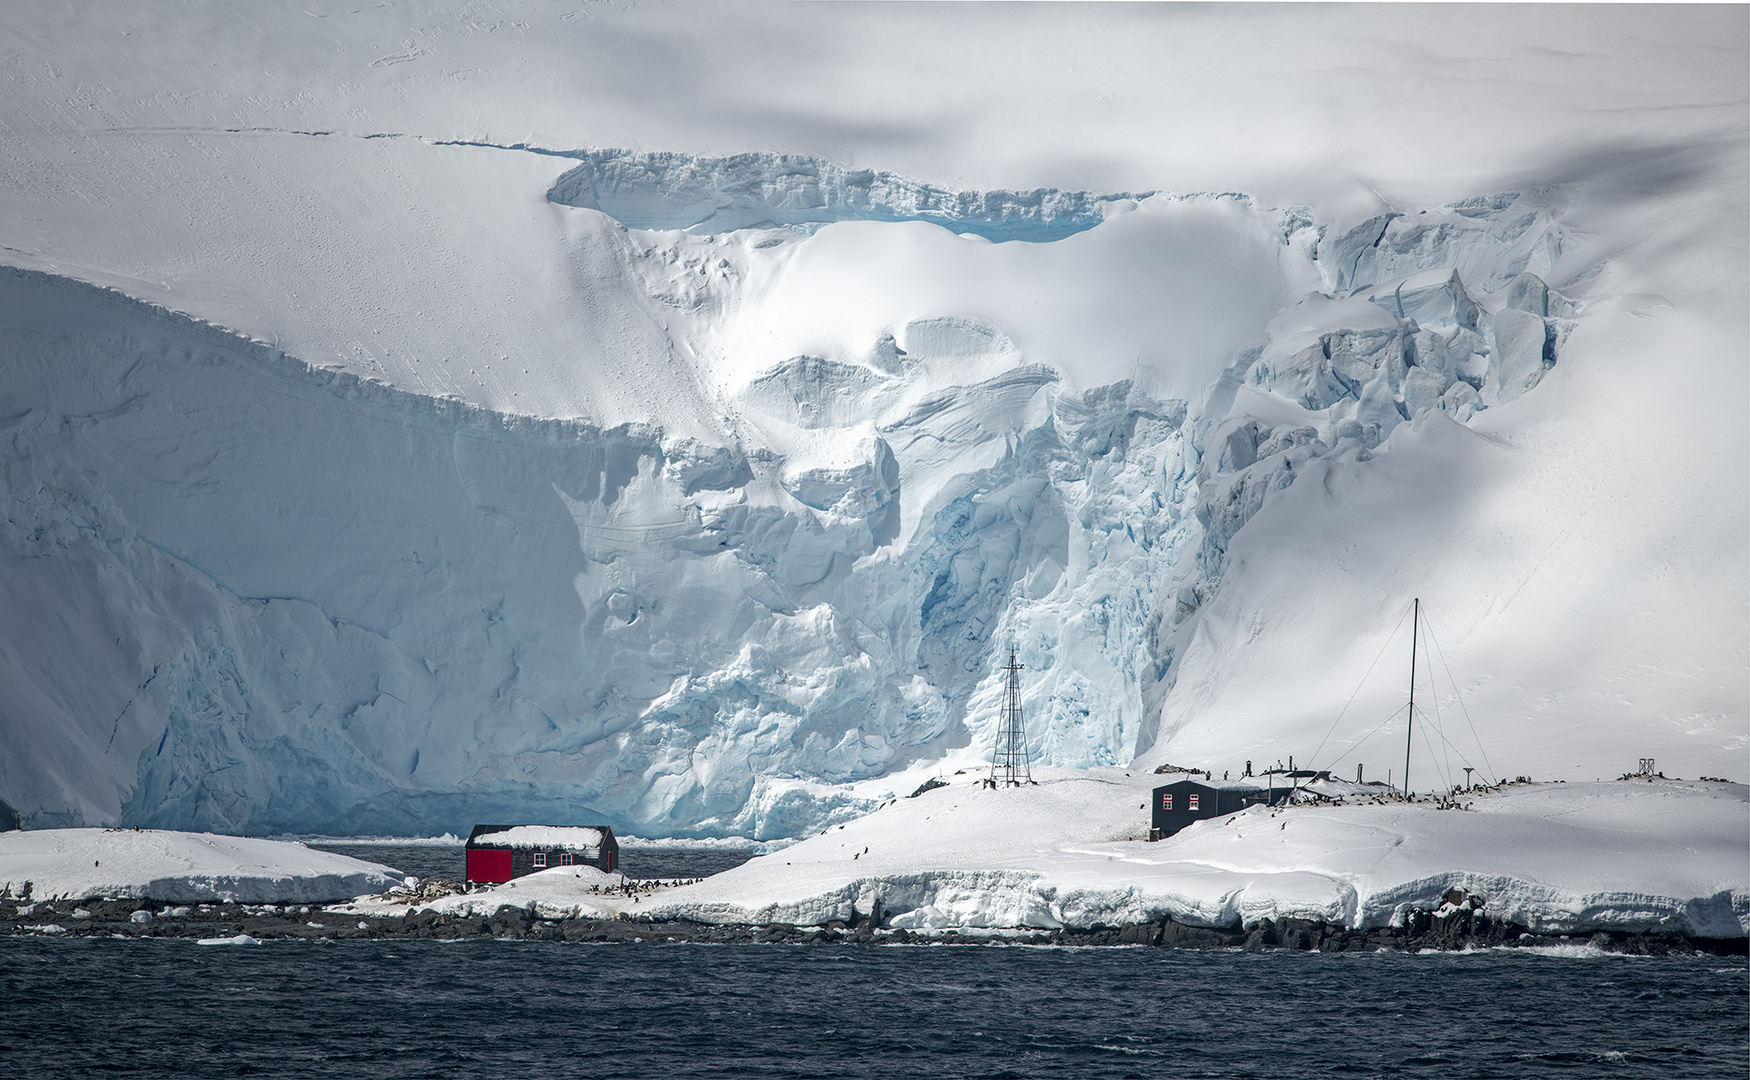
[[448, 860], [383, 1010]]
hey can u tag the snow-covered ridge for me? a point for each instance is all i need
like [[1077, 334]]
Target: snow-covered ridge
[[659, 190], [179, 867]]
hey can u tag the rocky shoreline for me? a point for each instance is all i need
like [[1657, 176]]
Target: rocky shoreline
[[1449, 930]]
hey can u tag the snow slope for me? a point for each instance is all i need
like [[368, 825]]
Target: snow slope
[[1556, 858], [692, 487], [179, 867]]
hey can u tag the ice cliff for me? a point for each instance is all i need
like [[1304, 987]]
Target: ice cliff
[[246, 594], [717, 195]]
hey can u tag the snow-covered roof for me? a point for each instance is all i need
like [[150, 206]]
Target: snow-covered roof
[[1220, 785], [548, 836]]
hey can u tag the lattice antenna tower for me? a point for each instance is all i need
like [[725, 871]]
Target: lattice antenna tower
[[1008, 762]]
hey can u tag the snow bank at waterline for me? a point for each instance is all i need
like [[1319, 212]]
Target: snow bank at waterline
[[155, 864], [1070, 852]]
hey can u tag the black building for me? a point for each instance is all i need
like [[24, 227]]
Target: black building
[[1178, 804]]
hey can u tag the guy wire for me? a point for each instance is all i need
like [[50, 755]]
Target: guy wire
[[1358, 686]]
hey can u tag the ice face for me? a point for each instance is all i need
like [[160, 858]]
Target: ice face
[[707, 195], [327, 605], [248, 595]]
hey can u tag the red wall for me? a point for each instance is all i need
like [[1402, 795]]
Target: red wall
[[487, 865]]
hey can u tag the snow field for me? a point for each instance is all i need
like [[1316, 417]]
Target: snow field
[[1070, 852], [178, 867]]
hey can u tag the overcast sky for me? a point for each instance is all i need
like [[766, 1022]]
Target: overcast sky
[[1423, 101]]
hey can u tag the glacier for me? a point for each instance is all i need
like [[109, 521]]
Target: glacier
[[437, 417], [262, 596]]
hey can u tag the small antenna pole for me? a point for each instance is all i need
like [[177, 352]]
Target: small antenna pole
[[1410, 727]]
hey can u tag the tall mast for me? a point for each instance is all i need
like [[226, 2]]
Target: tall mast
[[1008, 762], [1409, 728]]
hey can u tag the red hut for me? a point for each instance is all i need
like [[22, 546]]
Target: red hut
[[501, 852]]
